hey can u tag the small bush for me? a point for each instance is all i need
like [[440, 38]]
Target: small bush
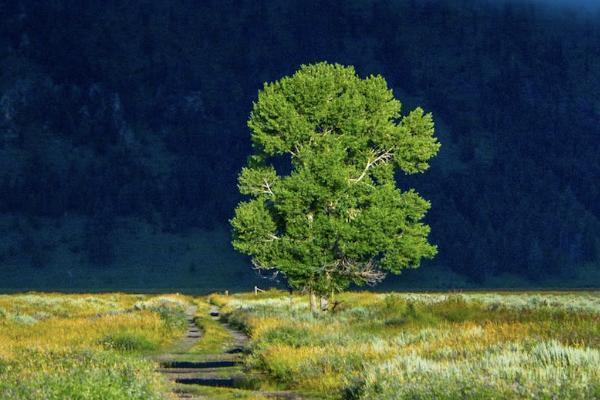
[[127, 342], [24, 319], [3, 366], [288, 335], [357, 314], [171, 311], [457, 309]]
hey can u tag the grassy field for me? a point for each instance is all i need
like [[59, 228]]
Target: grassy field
[[427, 346], [488, 345], [85, 347]]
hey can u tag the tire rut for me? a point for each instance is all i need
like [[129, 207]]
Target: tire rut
[[191, 371]]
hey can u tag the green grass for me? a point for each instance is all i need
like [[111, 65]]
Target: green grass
[[85, 347], [215, 338], [127, 342], [81, 374], [217, 393], [479, 345], [427, 346]]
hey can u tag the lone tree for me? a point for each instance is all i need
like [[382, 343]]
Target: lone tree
[[337, 218]]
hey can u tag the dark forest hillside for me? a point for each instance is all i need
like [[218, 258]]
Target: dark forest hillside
[[120, 119]]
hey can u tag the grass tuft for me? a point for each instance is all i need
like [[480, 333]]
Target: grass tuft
[[127, 342]]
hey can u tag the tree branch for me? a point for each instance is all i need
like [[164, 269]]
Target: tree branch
[[264, 272], [380, 156], [368, 272], [267, 187]]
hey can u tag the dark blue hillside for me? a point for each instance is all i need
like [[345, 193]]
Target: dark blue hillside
[[122, 130]]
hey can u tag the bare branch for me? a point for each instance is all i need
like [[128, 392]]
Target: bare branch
[[265, 272], [367, 272], [271, 237], [370, 274], [267, 187], [256, 265], [380, 156]]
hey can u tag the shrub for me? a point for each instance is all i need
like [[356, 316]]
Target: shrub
[[127, 342], [356, 313], [288, 335], [171, 311], [457, 309], [23, 319]]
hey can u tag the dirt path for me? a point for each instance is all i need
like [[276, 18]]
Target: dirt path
[[183, 346], [218, 375]]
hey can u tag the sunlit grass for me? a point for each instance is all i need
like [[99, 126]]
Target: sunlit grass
[[221, 393], [374, 346], [55, 346], [427, 346], [215, 337]]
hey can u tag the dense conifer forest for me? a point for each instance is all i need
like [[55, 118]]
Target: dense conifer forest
[[124, 119]]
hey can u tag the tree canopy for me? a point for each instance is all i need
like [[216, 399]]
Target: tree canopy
[[337, 218]]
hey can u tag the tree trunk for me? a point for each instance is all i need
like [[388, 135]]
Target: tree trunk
[[313, 302], [324, 303]]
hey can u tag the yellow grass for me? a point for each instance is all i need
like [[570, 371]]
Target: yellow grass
[[54, 345], [438, 344]]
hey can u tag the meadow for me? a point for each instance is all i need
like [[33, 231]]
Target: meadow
[[479, 345], [426, 346], [56, 347]]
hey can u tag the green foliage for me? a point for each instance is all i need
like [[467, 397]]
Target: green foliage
[[338, 218]]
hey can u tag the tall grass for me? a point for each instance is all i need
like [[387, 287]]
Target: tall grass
[[428, 346], [80, 374], [85, 347]]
